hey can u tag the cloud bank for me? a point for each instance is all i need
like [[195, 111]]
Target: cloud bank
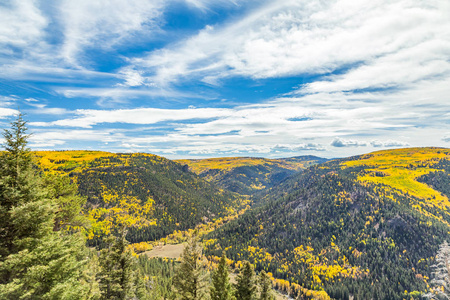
[[363, 75]]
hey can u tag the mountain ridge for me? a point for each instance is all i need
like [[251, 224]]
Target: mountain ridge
[[247, 175]]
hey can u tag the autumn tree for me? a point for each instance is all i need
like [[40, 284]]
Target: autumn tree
[[221, 287]]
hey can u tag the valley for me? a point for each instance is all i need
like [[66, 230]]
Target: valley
[[367, 226]]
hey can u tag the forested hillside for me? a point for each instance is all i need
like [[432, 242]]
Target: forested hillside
[[140, 185], [367, 226], [246, 175]]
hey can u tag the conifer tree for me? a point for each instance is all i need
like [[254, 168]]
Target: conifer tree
[[117, 273], [36, 262], [265, 286], [190, 278], [245, 287], [68, 203], [21, 194], [221, 287]]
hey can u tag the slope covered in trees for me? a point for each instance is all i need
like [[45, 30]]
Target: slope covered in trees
[[131, 185], [245, 175], [367, 226]]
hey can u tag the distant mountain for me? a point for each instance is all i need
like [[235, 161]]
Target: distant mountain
[[367, 226], [132, 183], [246, 175]]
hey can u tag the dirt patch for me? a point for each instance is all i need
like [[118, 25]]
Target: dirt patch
[[169, 251]]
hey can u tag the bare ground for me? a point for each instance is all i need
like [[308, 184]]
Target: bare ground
[[169, 251]]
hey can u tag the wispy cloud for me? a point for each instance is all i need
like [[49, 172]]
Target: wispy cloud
[[21, 24], [104, 24], [294, 37], [58, 137], [388, 144], [88, 118]]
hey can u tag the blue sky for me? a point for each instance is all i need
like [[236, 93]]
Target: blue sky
[[199, 78]]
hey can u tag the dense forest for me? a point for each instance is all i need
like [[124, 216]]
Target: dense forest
[[338, 228], [175, 198]]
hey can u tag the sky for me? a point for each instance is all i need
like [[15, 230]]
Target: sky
[[199, 78]]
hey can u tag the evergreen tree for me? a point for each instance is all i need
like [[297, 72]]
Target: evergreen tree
[[117, 272], [25, 213], [190, 276], [69, 204], [36, 262], [265, 286], [221, 287], [245, 286]]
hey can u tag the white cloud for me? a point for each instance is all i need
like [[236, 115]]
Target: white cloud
[[58, 137], [132, 78], [6, 101], [388, 144], [391, 86], [339, 142], [50, 111], [88, 118], [21, 24], [104, 23], [7, 112], [108, 96], [207, 5], [297, 37], [404, 67], [295, 123], [299, 147]]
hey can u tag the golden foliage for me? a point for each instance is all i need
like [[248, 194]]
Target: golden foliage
[[124, 212], [398, 170], [228, 163], [60, 161]]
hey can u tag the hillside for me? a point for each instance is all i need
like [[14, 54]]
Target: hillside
[[245, 175], [367, 226], [144, 185]]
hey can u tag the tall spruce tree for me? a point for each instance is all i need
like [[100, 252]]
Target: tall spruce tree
[[245, 287], [21, 195], [265, 287], [36, 261], [117, 273], [190, 278], [221, 287]]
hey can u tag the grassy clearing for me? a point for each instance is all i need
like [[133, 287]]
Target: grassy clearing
[[168, 251]]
